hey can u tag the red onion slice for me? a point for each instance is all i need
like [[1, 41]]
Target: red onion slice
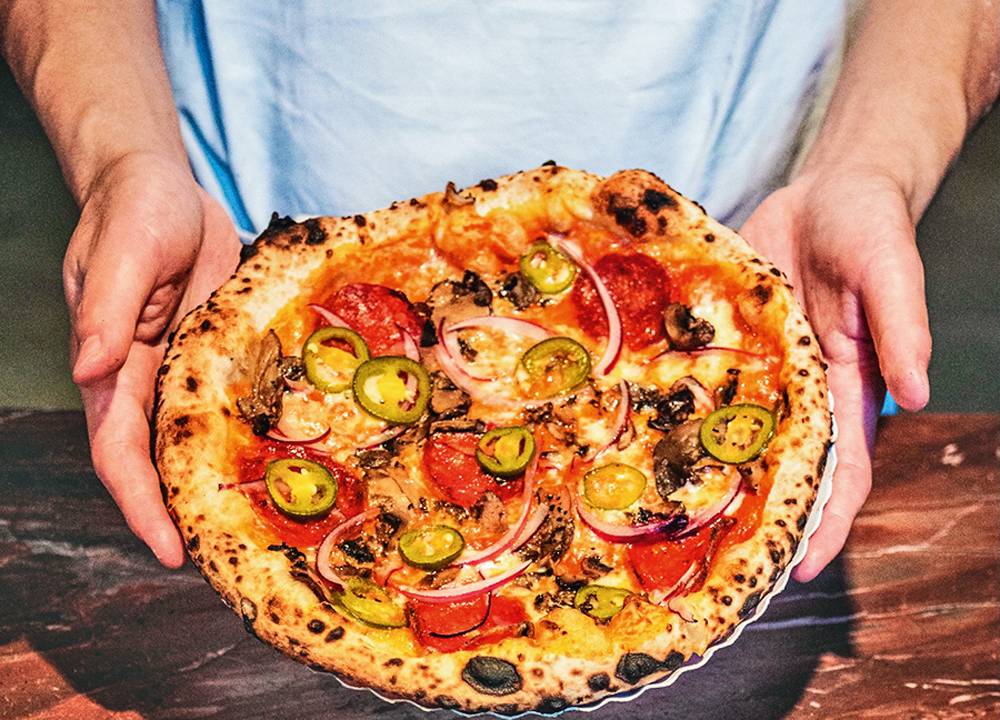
[[378, 439], [705, 349], [245, 485], [614, 346], [456, 373], [326, 547], [621, 418], [659, 596], [704, 402], [454, 593], [410, 347], [516, 326], [708, 515], [278, 433], [332, 318], [517, 529], [627, 533]]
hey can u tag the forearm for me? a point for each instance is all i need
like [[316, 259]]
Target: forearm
[[94, 73], [919, 75]]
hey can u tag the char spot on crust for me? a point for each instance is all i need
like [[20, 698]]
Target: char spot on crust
[[394, 662], [634, 666], [751, 602], [709, 238], [446, 702], [599, 681], [316, 234], [206, 325], [193, 544], [335, 634], [316, 626], [655, 199], [492, 675], [191, 383], [549, 163], [552, 704], [776, 272], [248, 609], [360, 221], [804, 340], [673, 661], [801, 522], [488, 185], [626, 216], [761, 293]]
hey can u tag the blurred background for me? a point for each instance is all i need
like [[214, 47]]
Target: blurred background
[[959, 240]]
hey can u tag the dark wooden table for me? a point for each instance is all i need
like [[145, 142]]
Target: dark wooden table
[[905, 623]]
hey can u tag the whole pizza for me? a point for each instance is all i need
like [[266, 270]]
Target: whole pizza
[[518, 446]]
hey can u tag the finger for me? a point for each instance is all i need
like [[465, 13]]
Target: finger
[[892, 294], [119, 436], [119, 279], [853, 385]]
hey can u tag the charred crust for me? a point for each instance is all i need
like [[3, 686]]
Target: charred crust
[[598, 682], [633, 667], [761, 293], [334, 635], [360, 221], [316, 626], [488, 185], [804, 340], [626, 216], [655, 200], [549, 163], [193, 544], [776, 272], [750, 603], [709, 238], [315, 234], [394, 662], [248, 251], [492, 675], [673, 661], [446, 702], [248, 610], [552, 704]]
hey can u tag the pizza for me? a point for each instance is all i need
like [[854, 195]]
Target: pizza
[[517, 446]]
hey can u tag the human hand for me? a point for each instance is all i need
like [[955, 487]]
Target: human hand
[[846, 240], [149, 246]]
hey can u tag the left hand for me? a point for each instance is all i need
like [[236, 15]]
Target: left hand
[[846, 240]]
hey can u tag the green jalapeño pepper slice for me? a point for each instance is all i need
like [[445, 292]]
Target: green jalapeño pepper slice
[[395, 389], [737, 433], [600, 601], [329, 366], [553, 367], [613, 487], [300, 488], [506, 451], [365, 601], [549, 270], [431, 547]]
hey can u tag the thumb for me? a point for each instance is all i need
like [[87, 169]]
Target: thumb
[[118, 280]]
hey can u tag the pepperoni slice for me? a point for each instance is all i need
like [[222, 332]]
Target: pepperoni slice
[[300, 533], [640, 288], [659, 565], [450, 619], [450, 460], [377, 313], [505, 619]]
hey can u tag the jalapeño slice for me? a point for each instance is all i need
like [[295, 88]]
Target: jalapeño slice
[[365, 601], [329, 365], [506, 451], [300, 488], [549, 270], [613, 487], [600, 601], [431, 547], [553, 367], [395, 389], [737, 433]]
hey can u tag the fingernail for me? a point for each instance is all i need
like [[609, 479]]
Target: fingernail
[[89, 355]]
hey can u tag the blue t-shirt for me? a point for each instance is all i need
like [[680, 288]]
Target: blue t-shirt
[[335, 108]]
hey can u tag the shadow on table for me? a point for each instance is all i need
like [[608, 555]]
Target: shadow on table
[[87, 611]]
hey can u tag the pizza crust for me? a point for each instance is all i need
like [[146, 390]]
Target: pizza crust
[[214, 346]]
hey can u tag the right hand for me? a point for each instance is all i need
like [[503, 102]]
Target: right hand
[[150, 245]]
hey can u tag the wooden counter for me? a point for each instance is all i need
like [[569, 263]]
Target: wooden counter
[[904, 624]]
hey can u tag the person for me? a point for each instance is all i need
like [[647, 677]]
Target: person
[[311, 109]]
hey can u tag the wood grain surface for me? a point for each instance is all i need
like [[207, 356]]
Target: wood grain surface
[[904, 624]]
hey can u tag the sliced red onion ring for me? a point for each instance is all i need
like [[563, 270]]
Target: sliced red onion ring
[[704, 402], [456, 373], [278, 433], [329, 542], [454, 593], [518, 529], [449, 339], [621, 418], [332, 318], [659, 596], [410, 347], [708, 515], [614, 346], [376, 440], [667, 528], [705, 349], [517, 326]]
